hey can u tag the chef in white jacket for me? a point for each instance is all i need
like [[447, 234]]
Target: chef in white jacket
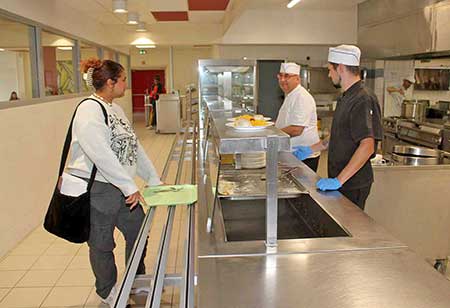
[[297, 116], [397, 95]]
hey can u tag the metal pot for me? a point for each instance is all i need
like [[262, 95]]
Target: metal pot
[[416, 156], [415, 109], [413, 150]]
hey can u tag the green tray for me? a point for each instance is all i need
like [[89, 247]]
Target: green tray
[[165, 195]]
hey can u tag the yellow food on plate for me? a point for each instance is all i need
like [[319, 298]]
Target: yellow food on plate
[[245, 116], [258, 122], [248, 120]]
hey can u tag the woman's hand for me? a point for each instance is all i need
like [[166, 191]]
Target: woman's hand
[[134, 199]]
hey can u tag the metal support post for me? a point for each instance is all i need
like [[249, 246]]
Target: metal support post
[[272, 191]]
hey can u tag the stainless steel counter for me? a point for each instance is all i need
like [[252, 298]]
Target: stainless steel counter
[[365, 233], [356, 279], [413, 203], [368, 268]]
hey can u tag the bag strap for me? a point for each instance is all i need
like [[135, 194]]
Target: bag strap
[[66, 148]]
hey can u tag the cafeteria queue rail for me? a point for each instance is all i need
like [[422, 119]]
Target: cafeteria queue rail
[[153, 285]]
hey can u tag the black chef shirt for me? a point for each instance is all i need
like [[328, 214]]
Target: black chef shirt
[[357, 117]]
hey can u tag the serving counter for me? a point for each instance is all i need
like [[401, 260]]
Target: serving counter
[[413, 203], [327, 252]]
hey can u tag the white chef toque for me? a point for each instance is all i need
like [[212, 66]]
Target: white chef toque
[[290, 68], [410, 78], [344, 54]]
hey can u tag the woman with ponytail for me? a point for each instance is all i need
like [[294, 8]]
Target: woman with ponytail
[[119, 157]]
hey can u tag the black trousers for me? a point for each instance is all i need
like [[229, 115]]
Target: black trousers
[[153, 102], [358, 196], [312, 163]]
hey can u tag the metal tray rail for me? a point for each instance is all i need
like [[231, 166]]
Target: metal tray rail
[[154, 283]]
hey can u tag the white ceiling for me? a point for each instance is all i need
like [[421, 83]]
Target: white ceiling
[[101, 10], [203, 27], [306, 4]]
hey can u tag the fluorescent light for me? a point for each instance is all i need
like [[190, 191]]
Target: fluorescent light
[[133, 18], [141, 27], [64, 48], [145, 46], [119, 6], [292, 3], [2, 49], [142, 41]]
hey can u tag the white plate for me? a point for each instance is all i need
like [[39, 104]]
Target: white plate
[[249, 129], [236, 118]]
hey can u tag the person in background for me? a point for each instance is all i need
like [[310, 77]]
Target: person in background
[[398, 94], [297, 116], [157, 89], [13, 96], [355, 130], [119, 157]]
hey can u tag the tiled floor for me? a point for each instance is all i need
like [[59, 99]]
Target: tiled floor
[[44, 271]]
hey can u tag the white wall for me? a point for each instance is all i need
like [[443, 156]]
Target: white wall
[[58, 15], [281, 26], [297, 53], [185, 61], [32, 138]]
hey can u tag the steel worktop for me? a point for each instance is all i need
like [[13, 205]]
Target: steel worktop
[[355, 279], [369, 268], [413, 203]]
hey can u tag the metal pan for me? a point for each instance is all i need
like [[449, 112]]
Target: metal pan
[[415, 160], [409, 150]]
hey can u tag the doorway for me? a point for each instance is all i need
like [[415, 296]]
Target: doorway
[[142, 80]]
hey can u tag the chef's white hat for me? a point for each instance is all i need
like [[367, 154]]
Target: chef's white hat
[[410, 78], [344, 54], [290, 68]]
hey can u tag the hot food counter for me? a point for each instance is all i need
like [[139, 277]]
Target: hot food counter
[[291, 245]]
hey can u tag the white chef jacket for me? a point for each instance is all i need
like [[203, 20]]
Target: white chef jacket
[[299, 108], [393, 107]]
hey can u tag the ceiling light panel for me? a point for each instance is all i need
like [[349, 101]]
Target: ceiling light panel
[[133, 18], [119, 6], [292, 3], [141, 27]]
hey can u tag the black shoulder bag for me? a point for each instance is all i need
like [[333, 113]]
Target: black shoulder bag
[[69, 217]]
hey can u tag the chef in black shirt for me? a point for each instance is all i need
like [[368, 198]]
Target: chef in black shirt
[[355, 131]]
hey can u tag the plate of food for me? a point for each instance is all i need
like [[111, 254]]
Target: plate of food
[[247, 125], [249, 117]]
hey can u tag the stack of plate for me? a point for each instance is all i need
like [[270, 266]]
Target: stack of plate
[[253, 160]]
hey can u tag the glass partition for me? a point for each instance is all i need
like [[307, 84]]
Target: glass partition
[[59, 76], [15, 62]]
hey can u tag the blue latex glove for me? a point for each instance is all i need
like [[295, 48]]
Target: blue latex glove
[[302, 152], [328, 184]]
